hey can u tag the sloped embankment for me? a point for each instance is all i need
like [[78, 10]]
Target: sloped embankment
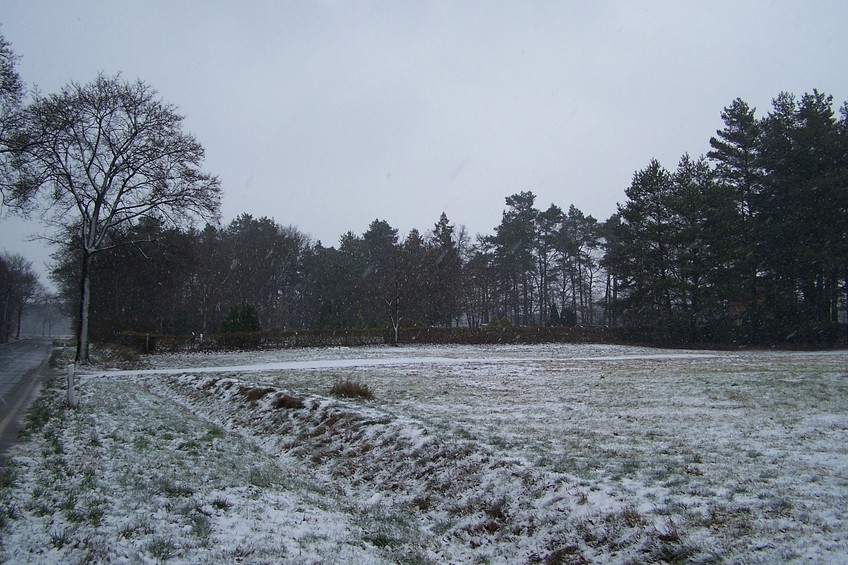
[[463, 499]]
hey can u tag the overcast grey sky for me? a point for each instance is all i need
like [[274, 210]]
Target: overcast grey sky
[[329, 114]]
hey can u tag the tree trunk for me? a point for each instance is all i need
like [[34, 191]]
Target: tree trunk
[[4, 323], [85, 299], [574, 291], [846, 302], [486, 304], [590, 300], [20, 316], [581, 288]]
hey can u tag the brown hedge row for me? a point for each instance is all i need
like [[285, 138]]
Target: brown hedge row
[[156, 343]]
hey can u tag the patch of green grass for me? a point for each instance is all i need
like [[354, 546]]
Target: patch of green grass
[[141, 443], [8, 476], [162, 548], [60, 538], [381, 538], [41, 412], [10, 510], [221, 503], [126, 530], [248, 554], [94, 439], [55, 465], [69, 503], [140, 525], [262, 477], [174, 489], [60, 355], [92, 512], [190, 445], [95, 515], [387, 529], [55, 442], [40, 508], [74, 516], [88, 479], [38, 491], [213, 433], [201, 526]]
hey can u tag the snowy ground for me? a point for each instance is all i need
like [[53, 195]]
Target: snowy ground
[[498, 454]]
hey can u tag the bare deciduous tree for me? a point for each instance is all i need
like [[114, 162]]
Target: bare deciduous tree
[[107, 154], [11, 94], [19, 286]]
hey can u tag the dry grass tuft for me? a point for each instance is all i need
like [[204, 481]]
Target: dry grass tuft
[[252, 394], [632, 517], [351, 389], [670, 534], [282, 401], [569, 555]]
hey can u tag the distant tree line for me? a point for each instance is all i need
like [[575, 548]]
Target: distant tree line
[[19, 287], [746, 245], [749, 244]]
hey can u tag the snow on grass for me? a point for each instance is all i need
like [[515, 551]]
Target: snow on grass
[[501, 454], [132, 477]]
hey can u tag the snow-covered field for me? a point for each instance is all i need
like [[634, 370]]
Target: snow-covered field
[[498, 454]]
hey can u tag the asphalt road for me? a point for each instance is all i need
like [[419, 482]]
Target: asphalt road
[[21, 363]]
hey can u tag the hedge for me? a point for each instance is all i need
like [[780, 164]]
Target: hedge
[[157, 343]]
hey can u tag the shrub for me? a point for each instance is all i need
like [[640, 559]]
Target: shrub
[[241, 319], [499, 323], [351, 389]]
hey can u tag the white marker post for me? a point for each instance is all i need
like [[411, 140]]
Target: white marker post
[[71, 400]]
